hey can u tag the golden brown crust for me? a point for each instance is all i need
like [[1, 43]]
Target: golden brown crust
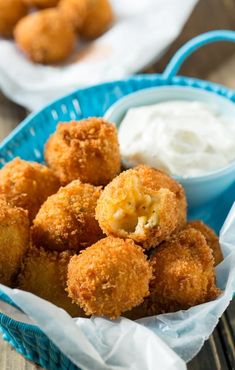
[[87, 150], [45, 274], [98, 20], [41, 3], [67, 219], [126, 194], [211, 238], [27, 184], [45, 36], [184, 275], [110, 277], [14, 240], [156, 179], [75, 11], [11, 11]]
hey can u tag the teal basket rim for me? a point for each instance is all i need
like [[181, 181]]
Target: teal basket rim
[[175, 81]]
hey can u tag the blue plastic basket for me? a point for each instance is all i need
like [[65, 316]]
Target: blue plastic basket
[[28, 139]]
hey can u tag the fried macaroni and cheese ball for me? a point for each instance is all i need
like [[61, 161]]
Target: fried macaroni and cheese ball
[[45, 36], [87, 150], [14, 241], [211, 238], [130, 208], [27, 184], [11, 11], [67, 219], [183, 273], [75, 11], [41, 3], [156, 179], [109, 278], [45, 274], [98, 20]]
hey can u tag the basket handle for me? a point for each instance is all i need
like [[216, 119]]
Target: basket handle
[[187, 49]]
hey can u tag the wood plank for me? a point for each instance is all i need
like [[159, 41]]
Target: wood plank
[[10, 115], [231, 317], [211, 356], [11, 360], [207, 15], [226, 333]]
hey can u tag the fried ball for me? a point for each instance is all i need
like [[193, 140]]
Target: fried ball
[[67, 219], [11, 11], [14, 241], [87, 150], [98, 20], [183, 271], [27, 184], [75, 11], [130, 207], [41, 3], [156, 179], [211, 238], [44, 274], [109, 278], [45, 36]]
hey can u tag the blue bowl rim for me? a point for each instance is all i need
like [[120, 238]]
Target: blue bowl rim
[[211, 175]]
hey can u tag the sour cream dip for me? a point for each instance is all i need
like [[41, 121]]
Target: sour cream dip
[[184, 138]]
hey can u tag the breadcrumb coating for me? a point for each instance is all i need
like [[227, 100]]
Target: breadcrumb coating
[[11, 11], [41, 3], [211, 238], [87, 150], [14, 241], [98, 20], [131, 206], [67, 219], [45, 36], [75, 11], [183, 273], [109, 278], [45, 274], [27, 184], [156, 179]]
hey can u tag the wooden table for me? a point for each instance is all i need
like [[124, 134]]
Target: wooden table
[[219, 351]]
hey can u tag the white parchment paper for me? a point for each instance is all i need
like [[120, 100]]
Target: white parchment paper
[[160, 342], [141, 33]]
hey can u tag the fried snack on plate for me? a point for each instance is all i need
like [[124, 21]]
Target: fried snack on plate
[[211, 238], [45, 36], [67, 219], [11, 11], [14, 241], [87, 150], [75, 11], [45, 274], [27, 184], [109, 278], [99, 18], [131, 206], [183, 273], [41, 3]]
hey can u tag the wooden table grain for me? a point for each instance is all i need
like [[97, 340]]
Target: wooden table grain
[[218, 353]]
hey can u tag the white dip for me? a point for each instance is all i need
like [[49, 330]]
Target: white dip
[[181, 137]]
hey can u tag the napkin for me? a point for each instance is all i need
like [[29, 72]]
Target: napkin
[[141, 33]]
